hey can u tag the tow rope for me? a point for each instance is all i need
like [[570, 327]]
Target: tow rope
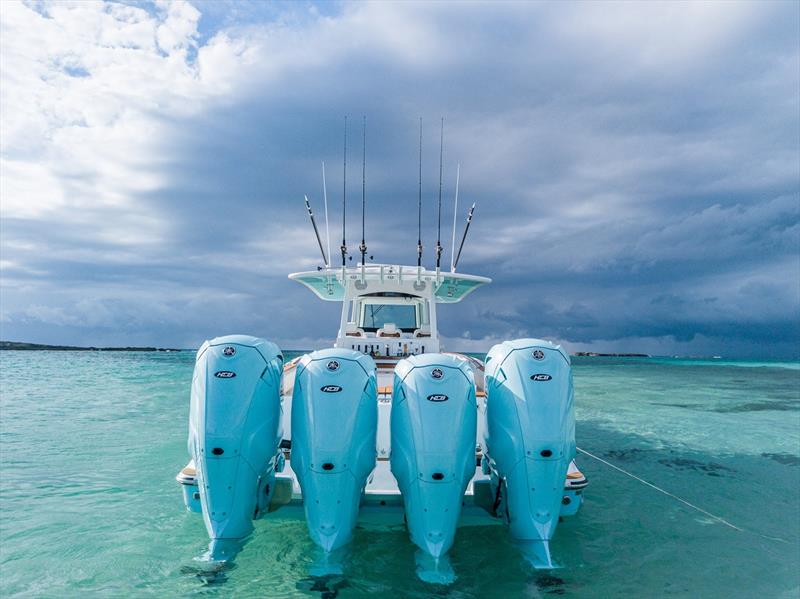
[[673, 496]]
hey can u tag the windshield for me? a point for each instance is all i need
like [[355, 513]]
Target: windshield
[[377, 315]]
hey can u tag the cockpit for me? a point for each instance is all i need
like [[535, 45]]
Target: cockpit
[[403, 317], [388, 323], [388, 310]]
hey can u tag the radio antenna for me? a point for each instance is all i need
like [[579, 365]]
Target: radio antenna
[[363, 246], [316, 231], [466, 229], [455, 213], [419, 202], [327, 226], [439, 226], [344, 199]]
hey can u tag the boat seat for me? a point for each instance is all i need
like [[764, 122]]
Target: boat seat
[[189, 469], [389, 329], [353, 331], [423, 331]]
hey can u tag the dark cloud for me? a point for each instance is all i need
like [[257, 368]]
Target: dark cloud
[[635, 169]]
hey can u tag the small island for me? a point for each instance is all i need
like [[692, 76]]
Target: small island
[[22, 346]]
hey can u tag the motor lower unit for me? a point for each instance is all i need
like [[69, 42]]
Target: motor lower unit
[[334, 423], [528, 423], [433, 428], [234, 433]]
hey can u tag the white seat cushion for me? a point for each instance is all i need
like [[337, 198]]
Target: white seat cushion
[[351, 330], [389, 330]]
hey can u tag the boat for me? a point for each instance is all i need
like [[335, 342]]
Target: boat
[[384, 428]]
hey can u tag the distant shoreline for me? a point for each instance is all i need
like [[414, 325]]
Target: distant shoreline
[[21, 346]]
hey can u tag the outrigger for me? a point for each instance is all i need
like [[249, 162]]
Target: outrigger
[[384, 428]]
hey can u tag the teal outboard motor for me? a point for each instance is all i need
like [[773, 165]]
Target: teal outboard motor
[[234, 435], [433, 428], [334, 425], [529, 438]]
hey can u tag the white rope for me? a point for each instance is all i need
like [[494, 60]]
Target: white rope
[[660, 490], [683, 501]]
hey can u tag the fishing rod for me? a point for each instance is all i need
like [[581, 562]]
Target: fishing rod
[[439, 225], [466, 230], [455, 213], [419, 201], [344, 199], [316, 231], [327, 227], [363, 246]]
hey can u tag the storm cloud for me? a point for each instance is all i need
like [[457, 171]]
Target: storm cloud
[[636, 167]]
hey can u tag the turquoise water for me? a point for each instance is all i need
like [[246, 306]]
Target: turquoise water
[[90, 444]]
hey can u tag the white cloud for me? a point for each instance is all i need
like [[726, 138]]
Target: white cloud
[[667, 37], [88, 91], [28, 189]]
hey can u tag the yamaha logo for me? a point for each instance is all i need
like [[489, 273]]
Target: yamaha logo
[[437, 397], [333, 365], [229, 351], [437, 373], [224, 374], [330, 389], [538, 354], [541, 377]]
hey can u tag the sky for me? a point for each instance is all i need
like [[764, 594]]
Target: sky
[[636, 168]]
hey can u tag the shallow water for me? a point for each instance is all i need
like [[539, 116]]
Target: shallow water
[[90, 443]]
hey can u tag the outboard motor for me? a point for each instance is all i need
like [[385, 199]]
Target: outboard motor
[[334, 424], [433, 427], [529, 438], [234, 434]]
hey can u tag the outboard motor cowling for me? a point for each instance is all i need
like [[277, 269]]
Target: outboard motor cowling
[[433, 428], [334, 425], [529, 437], [234, 434]]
